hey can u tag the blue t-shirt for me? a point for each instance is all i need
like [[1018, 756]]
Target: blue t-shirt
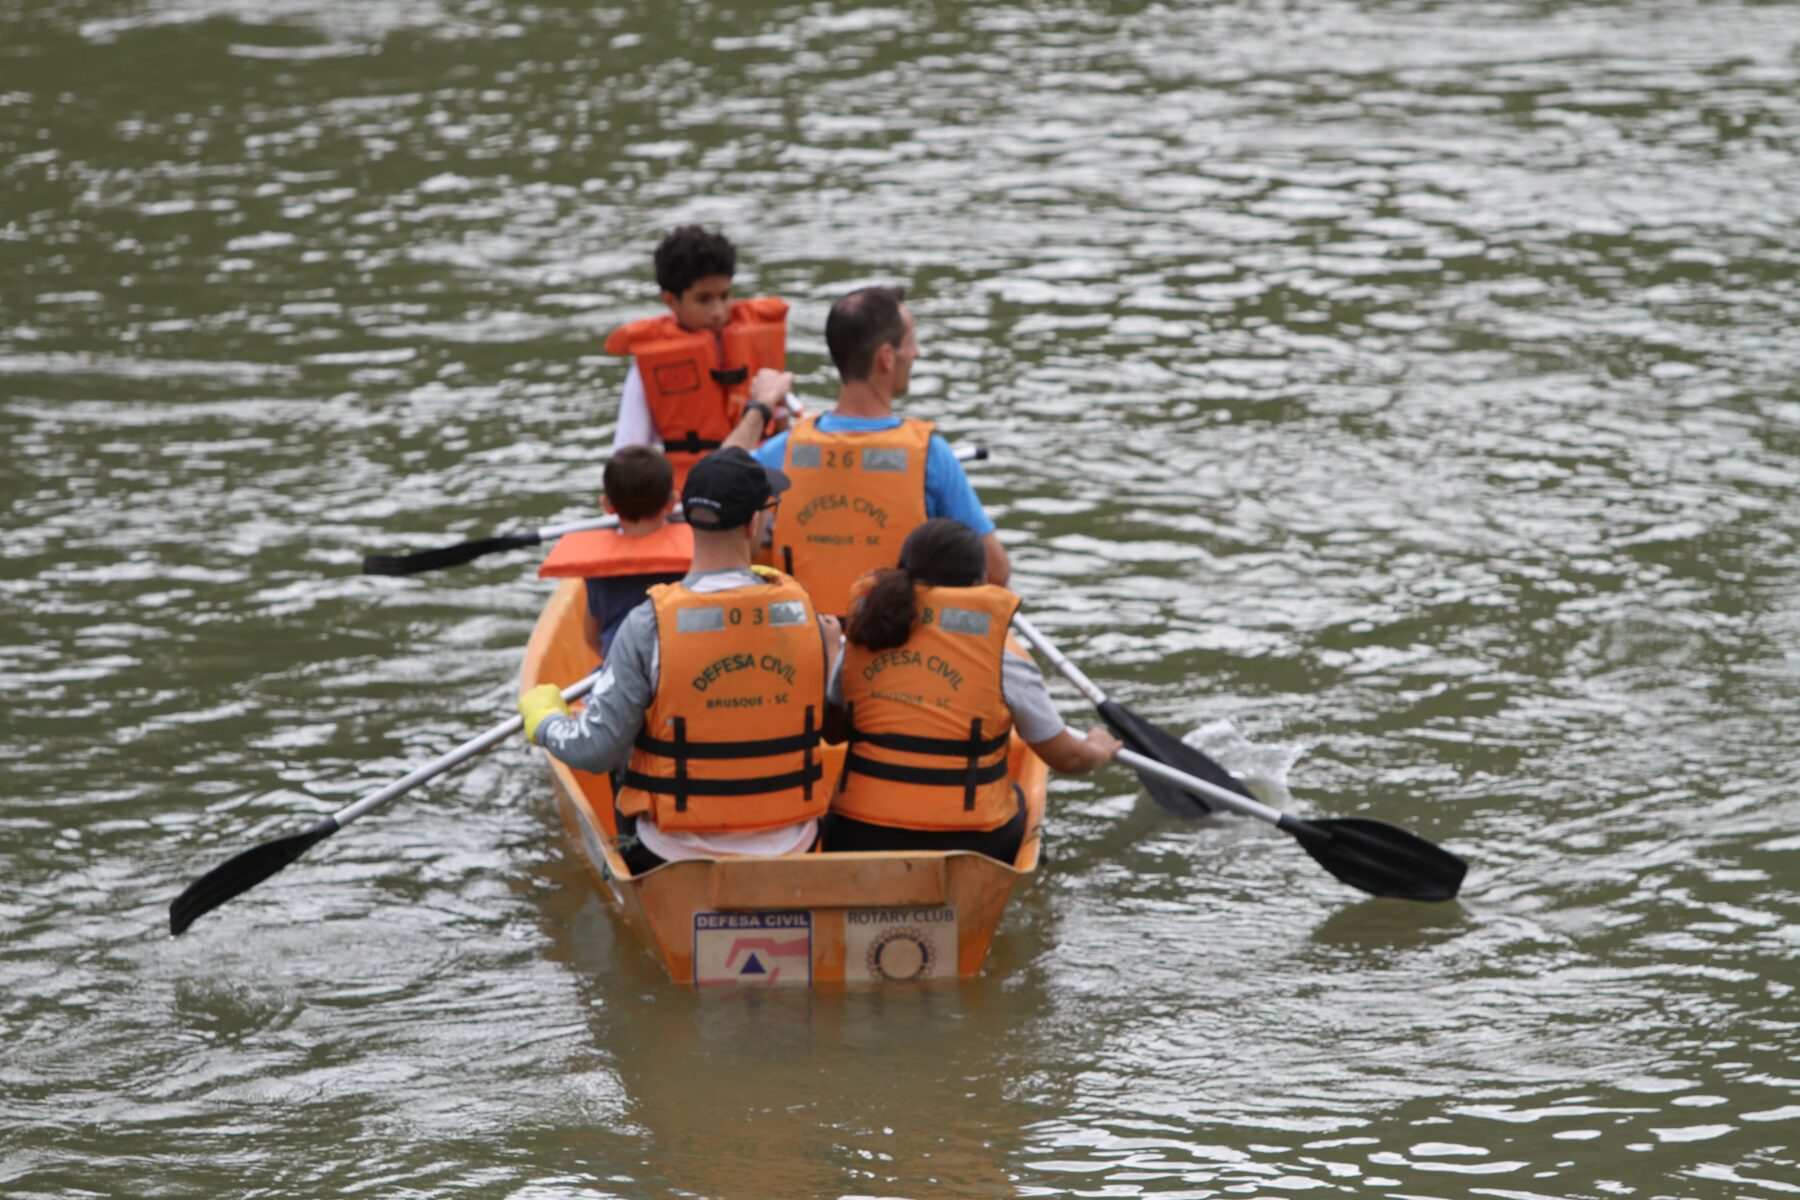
[[948, 492]]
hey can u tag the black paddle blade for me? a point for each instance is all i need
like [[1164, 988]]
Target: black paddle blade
[[241, 873], [445, 556], [1152, 742], [1380, 859]]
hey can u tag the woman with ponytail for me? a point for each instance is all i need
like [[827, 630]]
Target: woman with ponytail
[[931, 695]]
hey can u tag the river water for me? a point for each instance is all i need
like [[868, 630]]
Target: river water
[[1398, 398]]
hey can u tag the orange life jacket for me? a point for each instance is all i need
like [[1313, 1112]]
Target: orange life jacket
[[855, 497], [929, 725], [696, 382], [731, 664], [604, 553]]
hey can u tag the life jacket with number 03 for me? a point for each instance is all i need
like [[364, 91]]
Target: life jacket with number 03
[[750, 660], [607, 553], [855, 497], [696, 382], [929, 725]]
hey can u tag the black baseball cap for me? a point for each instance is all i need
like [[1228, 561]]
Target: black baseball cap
[[727, 488]]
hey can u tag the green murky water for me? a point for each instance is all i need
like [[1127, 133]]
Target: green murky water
[[1399, 396]]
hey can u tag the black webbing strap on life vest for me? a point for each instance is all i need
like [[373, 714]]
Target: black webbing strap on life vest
[[729, 377], [787, 559], [693, 443], [682, 751], [971, 750]]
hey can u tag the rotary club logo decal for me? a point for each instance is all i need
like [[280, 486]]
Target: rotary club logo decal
[[901, 954], [899, 945]]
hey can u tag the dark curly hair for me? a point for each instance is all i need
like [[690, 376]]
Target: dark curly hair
[[690, 254], [939, 553]]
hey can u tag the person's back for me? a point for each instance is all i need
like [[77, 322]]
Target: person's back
[[742, 666], [620, 566], [691, 367], [930, 695], [863, 478]]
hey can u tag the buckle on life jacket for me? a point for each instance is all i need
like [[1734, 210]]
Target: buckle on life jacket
[[681, 751], [691, 443], [729, 377], [972, 749]]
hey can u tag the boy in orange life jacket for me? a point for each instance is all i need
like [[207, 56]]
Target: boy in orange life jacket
[[691, 369], [620, 566], [716, 689], [932, 696]]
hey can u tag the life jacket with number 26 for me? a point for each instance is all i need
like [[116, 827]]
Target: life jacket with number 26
[[929, 725], [696, 382], [730, 742], [855, 497]]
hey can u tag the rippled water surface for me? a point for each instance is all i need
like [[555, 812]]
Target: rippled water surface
[[1400, 397]]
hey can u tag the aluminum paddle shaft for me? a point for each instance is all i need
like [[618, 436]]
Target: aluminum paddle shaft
[[244, 871], [1143, 737]]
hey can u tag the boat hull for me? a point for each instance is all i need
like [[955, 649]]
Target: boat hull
[[796, 920]]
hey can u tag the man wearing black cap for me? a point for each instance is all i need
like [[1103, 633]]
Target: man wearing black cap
[[716, 687]]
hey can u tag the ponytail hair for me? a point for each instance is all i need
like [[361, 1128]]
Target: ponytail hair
[[939, 553]]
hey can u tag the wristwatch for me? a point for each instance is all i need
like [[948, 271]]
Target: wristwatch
[[768, 414]]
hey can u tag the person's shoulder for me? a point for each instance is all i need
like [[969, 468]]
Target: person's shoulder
[[940, 456], [773, 452], [639, 622]]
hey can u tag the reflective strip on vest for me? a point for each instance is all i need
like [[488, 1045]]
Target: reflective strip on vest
[[747, 659], [855, 497], [930, 729]]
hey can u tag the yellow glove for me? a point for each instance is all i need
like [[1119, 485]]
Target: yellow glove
[[538, 703]]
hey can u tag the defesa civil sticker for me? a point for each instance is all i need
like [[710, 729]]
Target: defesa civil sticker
[[899, 945], [757, 948]]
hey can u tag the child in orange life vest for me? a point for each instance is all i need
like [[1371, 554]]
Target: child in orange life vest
[[931, 696], [620, 566], [691, 369]]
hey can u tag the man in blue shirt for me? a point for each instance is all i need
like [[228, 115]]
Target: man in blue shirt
[[873, 344]]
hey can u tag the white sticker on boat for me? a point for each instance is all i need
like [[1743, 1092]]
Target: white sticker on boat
[[899, 945], [758, 948]]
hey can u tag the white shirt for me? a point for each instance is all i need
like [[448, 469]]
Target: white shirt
[[635, 426]]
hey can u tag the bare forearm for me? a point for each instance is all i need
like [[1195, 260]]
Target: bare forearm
[[999, 567], [1071, 754]]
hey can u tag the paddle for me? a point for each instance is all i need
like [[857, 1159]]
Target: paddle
[[244, 871], [464, 552], [1373, 856], [1142, 737]]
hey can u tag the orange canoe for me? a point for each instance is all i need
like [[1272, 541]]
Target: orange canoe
[[796, 920]]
